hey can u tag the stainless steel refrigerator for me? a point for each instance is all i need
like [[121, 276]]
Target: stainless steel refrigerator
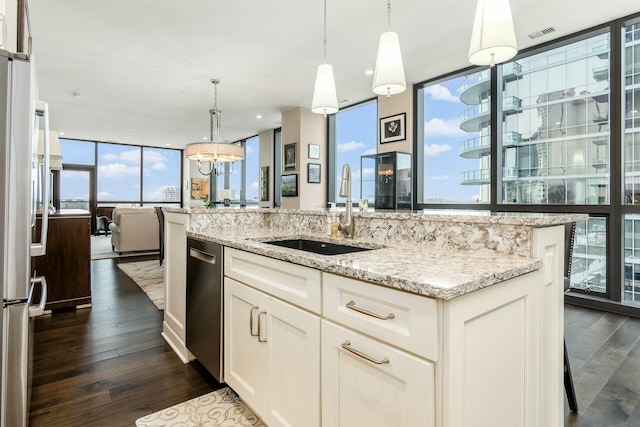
[[24, 188]]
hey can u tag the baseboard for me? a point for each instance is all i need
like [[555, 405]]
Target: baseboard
[[176, 344]]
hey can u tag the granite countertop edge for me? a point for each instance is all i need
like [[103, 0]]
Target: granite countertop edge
[[435, 273], [506, 218]]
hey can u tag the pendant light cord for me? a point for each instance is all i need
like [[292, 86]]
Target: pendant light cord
[[215, 112], [324, 43], [388, 15]]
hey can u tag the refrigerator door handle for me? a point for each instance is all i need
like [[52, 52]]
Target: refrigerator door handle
[[37, 310], [40, 248]]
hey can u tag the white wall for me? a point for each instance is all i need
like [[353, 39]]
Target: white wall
[[400, 103]]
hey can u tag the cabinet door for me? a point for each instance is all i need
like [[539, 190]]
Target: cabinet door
[[396, 391], [244, 357], [293, 384]]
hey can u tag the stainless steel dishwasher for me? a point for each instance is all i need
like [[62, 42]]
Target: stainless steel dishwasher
[[204, 304]]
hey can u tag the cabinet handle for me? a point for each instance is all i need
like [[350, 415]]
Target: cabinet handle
[[255, 307], [259, 328], [347, 346], [352, 305]]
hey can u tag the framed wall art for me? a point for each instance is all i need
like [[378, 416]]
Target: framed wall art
[[314, 151], [290, 156], [199, 188], [313, 173], [392, 128], [289, 186], [264, 184]]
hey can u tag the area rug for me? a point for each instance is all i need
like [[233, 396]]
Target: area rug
[[149, 276], [220, 408]]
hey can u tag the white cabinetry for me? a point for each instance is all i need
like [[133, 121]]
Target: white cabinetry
[[175, 279], [368, 383], [390, 357], [272, 348]]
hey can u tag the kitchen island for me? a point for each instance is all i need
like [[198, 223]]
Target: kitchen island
[[449, 320]]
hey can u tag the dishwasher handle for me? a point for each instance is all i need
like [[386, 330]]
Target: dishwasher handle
[[202, 256]]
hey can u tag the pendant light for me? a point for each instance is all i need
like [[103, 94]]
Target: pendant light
[[325, 100], [493, 39], [388, 77], [214, 152]]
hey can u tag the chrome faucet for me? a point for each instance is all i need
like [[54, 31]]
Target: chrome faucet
[[346, 219]]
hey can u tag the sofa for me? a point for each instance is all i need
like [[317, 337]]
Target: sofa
[[134, 229]]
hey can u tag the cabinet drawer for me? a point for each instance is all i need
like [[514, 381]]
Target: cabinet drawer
[[394, 388], [294, 283], [398, 318]]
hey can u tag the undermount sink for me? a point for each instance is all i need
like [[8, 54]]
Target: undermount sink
[[318, 247]]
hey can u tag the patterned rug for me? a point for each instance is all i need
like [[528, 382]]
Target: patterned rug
[[220, 408], [149, 276]]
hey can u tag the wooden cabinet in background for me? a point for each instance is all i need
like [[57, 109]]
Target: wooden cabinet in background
[[67, 263]]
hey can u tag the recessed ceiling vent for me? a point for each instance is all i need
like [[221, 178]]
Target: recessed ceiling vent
[[541, 33], [343, 101]]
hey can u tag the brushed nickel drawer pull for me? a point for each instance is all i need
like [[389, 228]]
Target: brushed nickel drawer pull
[[259, 328], [255, 307], [352, 305], [347, 346]]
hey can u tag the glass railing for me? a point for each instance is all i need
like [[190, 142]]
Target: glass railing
[[475, 78], [476, 110], [511, 138], [511, 103], [511, 69], [475, 175], [475, 143], [484, 175]]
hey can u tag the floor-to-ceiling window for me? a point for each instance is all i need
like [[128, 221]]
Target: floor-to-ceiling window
[[252, 170], [454, 139], [353, 136], [125, 174], [631, 159], [560, 152], [568, 141]]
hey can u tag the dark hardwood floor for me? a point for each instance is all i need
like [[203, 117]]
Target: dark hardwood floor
[[108, 365], [604, 353]]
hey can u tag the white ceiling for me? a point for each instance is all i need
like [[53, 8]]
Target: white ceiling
[[143, 67]]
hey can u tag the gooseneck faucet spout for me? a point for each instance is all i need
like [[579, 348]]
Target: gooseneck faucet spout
[[346, 219]]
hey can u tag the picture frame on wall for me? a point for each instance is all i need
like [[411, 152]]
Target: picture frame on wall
[[313, 173], [264, 184], [199, 188], [289, 153], [314, 151], [289, 185], [393, 128]]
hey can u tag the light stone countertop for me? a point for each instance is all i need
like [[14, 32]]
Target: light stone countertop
[[436, 273]]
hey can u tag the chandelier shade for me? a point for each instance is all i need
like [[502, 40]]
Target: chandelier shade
[[218, 152], [214, 152], [325, 99], [493, 39]]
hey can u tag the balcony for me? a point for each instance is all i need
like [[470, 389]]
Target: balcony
[[601, 73], [475, 177], [511, 139], [478, 117], [483, 176], [476, 85], [478, 147]]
